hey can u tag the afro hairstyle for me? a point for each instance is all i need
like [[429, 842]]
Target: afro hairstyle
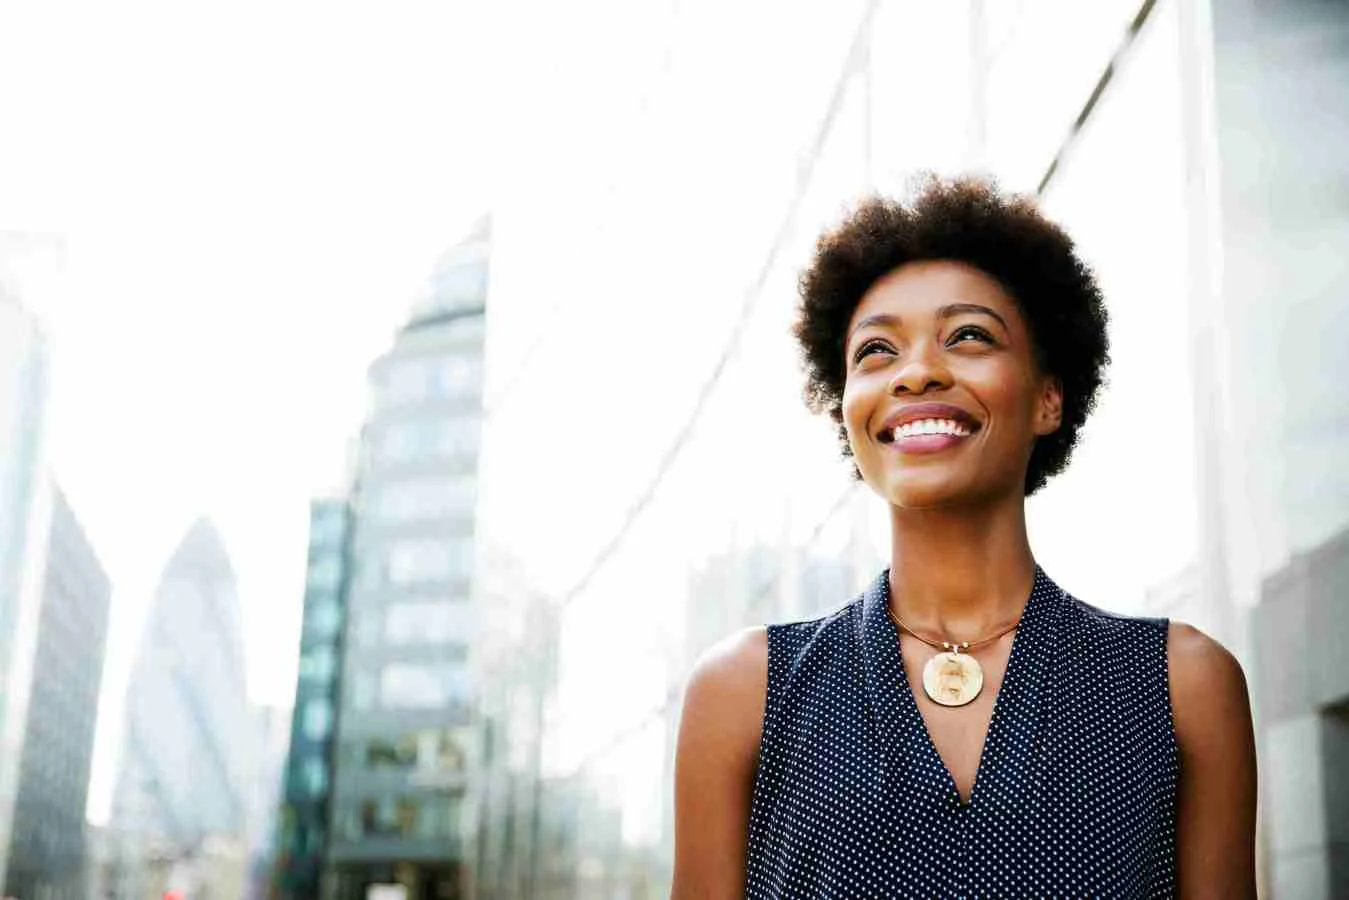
[[967, 220]]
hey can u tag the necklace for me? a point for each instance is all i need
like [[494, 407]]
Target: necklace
[[951, 677]]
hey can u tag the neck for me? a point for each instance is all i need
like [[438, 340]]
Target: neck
[[960, 573]]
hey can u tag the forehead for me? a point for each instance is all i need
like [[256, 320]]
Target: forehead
[[917, 290]]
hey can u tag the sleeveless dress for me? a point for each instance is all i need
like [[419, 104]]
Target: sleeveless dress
[[1076, 788]]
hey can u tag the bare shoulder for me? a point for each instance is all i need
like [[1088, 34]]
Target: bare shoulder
[[715, 762], [731, 678], [720, 727], [1208, 687], [1215, 837]]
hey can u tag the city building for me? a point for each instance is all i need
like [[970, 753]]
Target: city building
[[48, 853], [1301, 691], [25, 511], [303, 819], [264, 787], [180, 805], [402, 813], [515, 665]]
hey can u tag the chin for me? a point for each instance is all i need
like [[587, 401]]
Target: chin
[[929, 490]]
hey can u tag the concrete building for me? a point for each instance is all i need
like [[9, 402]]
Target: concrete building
[[1281, 77], [515, 664], [25, 510], [402, 813], [1301, 689], [181, 798], [48, 854], [303, 820]]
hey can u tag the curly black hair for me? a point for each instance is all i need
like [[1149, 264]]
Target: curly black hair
[[967, 220]]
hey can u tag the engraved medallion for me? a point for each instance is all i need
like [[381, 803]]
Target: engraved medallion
[[952, 679]]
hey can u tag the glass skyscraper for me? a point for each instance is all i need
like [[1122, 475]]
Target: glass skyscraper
[[25, 511], [406, 732], [303, 825], [180, 798], [48, 855]]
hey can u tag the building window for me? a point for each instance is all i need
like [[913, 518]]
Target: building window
[[427, 622], [418, 379], [438, 817], [322, 618], [405, 382], [424, 686], [416, 561], [317, 665], [397, 754], [426, 498], [428, 750], [318, 719], [325, 572], [429, 439], [389, 817], [426, 817], [456, 376], [326, 527], [314, 776]]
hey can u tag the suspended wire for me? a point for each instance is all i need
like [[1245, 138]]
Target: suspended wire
[[674, 692], [805, 172], [1116, 62]]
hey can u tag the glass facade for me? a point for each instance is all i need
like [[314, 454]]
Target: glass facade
[[49, 856], [403, 808], [191, 739], [24, 512], [303, 821]]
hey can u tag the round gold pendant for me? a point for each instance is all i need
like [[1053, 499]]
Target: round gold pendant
[[952, 679]]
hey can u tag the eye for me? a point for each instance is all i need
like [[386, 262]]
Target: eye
[[868, 349], [966, 333]]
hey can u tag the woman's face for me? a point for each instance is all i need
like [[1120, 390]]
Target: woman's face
[[943, 399]]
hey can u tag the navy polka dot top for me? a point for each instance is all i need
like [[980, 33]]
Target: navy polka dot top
[[1076, 788]]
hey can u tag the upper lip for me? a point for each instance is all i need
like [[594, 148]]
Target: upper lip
[[916, 412]]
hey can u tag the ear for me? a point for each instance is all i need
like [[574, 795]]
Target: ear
[[1049, 406]]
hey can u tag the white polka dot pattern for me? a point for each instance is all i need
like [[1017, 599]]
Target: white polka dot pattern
[[1075, 792]]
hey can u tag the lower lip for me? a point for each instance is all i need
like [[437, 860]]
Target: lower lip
[[926, 443]]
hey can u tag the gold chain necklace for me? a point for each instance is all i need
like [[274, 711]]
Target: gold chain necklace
[[951, 677]]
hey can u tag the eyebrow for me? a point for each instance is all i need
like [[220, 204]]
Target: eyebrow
[[946, 312], [955, 309]]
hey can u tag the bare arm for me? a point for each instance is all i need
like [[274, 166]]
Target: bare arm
[[715, 762], [1215, 825]]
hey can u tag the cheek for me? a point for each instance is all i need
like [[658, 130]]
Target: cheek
[[854, 412], [1006, 391]]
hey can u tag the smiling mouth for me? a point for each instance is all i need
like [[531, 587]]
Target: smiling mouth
[[923, 427]]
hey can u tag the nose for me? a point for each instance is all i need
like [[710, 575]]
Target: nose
[[923, 370]]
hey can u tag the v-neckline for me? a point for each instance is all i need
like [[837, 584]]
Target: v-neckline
[[889, 683]]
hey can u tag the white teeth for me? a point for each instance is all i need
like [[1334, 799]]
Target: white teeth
[[932, 426]]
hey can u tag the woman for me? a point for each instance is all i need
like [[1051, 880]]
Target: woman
[[963, 728]]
